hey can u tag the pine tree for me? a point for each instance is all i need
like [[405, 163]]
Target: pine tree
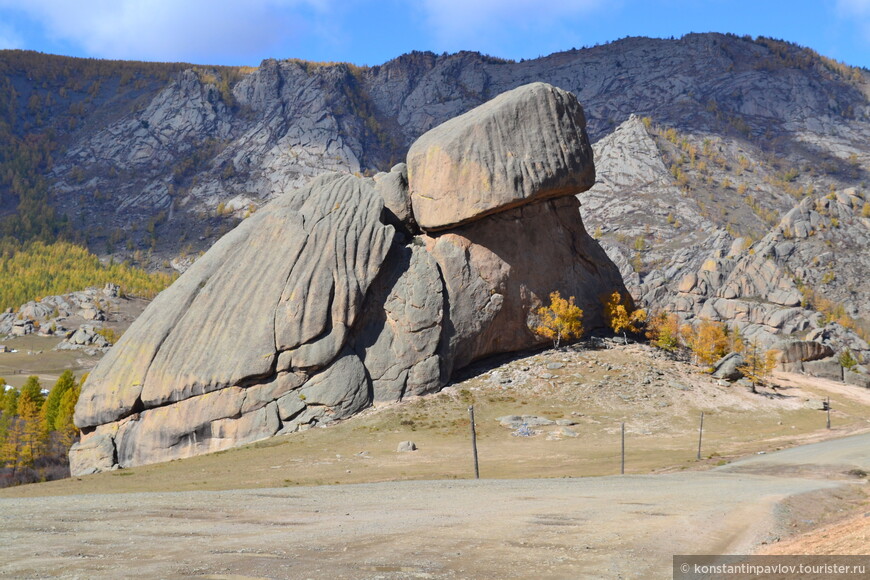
[[757, 364], [10, 403], [10, 452]]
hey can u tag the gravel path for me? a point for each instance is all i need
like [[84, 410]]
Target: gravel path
[[560, 528]]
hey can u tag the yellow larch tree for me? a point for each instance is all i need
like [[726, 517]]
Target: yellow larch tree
[[621, 315], [561, 320]]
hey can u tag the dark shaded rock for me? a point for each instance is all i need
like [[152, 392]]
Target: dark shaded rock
[[495, 283], [393, 189], [400, 331], [802, 351]]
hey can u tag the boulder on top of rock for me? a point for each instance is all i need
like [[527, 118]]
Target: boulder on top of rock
[[526, 144], [314, 308]]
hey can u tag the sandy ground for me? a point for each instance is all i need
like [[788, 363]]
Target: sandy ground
[[261, 511], [615, 527]]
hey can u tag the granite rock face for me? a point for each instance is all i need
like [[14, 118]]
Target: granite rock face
[[501, 154], [317, 305]]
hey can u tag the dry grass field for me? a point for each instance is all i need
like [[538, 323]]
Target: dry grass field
[[658, 399]]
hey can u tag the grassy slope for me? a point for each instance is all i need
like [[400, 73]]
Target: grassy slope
[[598, 389]]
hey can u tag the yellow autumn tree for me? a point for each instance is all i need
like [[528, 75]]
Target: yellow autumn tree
[[708, 341], [561, 320], [663, 331], [621, 315], [758, 363]]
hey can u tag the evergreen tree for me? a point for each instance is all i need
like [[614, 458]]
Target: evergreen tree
[[33, 438], [63, 422], [34, 390], [66, 382], [10, 452], [10, 403]]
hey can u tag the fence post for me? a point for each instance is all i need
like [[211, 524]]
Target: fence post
[[828, 409], [474, 442], [700, 435], [622, 466]]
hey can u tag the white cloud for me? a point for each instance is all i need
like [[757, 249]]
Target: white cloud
[[860, 7], [171, 29], [482, 24], [9, 38], [858, 13]]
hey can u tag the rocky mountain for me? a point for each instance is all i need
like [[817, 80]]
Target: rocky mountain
[[732, 171], [141, 162], [685, 198], [326, 300]]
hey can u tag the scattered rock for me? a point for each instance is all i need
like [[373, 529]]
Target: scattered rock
[[855, 376], [406, 446], [727, 367], [816, 404]]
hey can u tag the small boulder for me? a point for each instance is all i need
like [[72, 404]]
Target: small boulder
[[727, 367], [406, 446], [826, 368], [534, 421], [510, 421], [90, 312], [92, 454], [566, 432], [816, 404], [857, 376]]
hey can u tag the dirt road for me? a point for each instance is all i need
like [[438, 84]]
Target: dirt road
[[625, 526]]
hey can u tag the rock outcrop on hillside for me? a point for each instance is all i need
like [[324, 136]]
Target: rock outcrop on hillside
[[325, 301], [675, 235]]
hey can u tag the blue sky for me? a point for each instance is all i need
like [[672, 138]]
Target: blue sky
[[244, 32]]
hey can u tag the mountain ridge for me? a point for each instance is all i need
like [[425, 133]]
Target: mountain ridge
[[155, 168]]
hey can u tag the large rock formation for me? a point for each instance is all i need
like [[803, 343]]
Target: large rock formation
[[325, 300]]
